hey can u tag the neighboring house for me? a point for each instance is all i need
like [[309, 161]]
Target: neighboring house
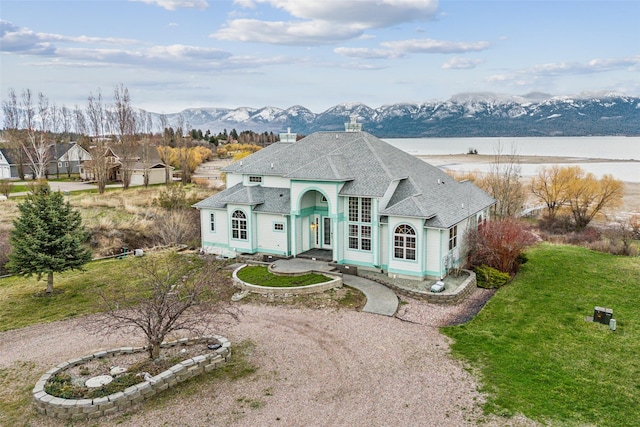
[[13, 156], [142, 161], [366, 202], [5, 167], [67, 158]]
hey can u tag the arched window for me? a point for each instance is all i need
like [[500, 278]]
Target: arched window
[[404, 242], [239, 225]]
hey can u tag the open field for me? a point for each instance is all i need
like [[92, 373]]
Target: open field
[[537, 355]]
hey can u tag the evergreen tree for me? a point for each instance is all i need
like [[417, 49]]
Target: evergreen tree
[[47, 237]]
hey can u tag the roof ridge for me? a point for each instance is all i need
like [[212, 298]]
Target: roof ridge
[[378, 158]]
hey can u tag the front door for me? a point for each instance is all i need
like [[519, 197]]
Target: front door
[[326, 233]]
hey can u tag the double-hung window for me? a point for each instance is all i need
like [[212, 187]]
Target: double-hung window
[[453, 237], [212, 222], [359, 224]]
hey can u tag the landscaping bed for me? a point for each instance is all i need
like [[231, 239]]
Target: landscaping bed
[[113, 380]]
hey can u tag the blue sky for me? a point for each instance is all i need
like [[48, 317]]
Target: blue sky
[[177, 54]]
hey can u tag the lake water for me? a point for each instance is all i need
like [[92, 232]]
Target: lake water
[[596, 147]]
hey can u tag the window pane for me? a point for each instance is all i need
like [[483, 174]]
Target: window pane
[[353, 230], [399, 253], [353, 209], [366, 244], [365, 209], [353, 243], [411, 254], [366, 231]]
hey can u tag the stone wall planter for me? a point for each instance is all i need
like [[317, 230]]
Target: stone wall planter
[[94, 408], [445, 298], [335, 282]]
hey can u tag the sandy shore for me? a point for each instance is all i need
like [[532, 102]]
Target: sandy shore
[[532, 160], [630, 200]]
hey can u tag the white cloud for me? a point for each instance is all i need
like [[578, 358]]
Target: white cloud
[[593, 66], [23, 40], [177, 4], [461, 63], [434, 46], [370, 13], [325, 21], [288, 33], [365, 53]]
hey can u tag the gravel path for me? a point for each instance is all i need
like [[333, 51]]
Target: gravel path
[[314, 368]]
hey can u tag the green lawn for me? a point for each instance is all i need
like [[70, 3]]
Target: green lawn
[[21, 303], [537, 355], [258, 275]]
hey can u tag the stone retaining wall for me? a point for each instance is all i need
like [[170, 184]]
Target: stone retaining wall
[[94, 408], [465, 289], [336, 282]]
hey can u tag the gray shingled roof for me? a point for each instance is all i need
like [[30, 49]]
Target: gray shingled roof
[[368, 166], [264, 199]]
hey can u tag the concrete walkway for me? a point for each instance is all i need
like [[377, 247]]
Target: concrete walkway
[[380, 299]]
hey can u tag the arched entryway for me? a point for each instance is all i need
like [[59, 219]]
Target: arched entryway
[[315, 226]]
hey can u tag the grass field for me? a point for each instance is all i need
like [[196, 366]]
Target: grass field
[[537, 355], [258, 275], [74, 293]]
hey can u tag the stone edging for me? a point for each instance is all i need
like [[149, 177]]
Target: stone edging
[[464, 290], [336, 282], [57, 407]]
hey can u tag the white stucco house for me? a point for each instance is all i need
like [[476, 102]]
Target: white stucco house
[[362, 200]]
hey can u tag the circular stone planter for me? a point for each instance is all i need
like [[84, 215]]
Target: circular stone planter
[[335, 282], [94, 408]]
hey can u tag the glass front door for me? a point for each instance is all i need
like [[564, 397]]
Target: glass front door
[[326, 233]]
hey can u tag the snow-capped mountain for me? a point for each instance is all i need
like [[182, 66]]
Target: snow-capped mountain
[[464, 115]]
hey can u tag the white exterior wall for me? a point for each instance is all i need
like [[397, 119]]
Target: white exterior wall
[[401, 266], [276, 182], [268, 239], [434, 251], [156, 176], [220, 236], [233, 179], [5, 169], [384, 245]]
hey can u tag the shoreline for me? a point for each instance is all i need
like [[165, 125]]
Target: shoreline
[[529, 160]]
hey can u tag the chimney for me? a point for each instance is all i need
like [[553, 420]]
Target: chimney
[[353, 125], [288, 137]]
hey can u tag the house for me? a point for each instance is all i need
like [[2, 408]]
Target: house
[[142, 161], [365, 202], [5, 166], [17, 162], [67, 158]]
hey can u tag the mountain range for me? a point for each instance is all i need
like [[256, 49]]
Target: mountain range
[[464, 115]]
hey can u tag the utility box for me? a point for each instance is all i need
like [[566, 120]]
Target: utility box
[[437, 287], [602, 315]]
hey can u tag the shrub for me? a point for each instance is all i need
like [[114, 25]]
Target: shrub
[[499, 244], [490, 278]]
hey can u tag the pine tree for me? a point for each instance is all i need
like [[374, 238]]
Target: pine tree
[[47, 237]]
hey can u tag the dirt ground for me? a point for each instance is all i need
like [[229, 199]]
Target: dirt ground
[[313, 367]]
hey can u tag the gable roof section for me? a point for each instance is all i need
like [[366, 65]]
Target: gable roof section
[[263, 199]]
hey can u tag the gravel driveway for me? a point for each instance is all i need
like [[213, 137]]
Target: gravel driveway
[[323, 367]]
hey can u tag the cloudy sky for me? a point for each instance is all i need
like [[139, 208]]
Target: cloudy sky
[[176, 54]]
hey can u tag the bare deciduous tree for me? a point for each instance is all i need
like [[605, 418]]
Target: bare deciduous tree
[[98, 165], [164, 124], [125, 124], [170, 294], [504, 183]]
